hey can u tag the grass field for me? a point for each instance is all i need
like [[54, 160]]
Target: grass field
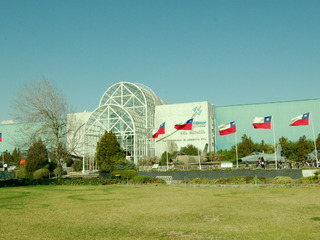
[[159, 212]]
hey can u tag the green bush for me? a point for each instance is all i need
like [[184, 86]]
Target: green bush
[[195, 181], [283, 180], [205, 181], [22, 173], [238, 180], [57, 171], [124, 174], [174, 170], [221, 181], [76, 181], [158, 180], [41, 173], [262, 180], [141, 179], [309, 180], [231, 180], [145, 179], [249, 179]]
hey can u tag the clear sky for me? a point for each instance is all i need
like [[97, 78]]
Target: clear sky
[[227, 52]]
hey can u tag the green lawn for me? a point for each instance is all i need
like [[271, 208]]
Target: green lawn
[[159, 212]]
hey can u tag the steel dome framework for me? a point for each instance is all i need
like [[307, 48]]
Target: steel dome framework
[[128, 110]]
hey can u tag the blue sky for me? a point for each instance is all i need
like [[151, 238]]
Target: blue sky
[[225, 52]]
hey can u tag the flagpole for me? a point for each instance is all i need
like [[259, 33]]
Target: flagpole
[[167, 156], [274, 142], [2, 152], [155, 147], [199, 159], [236, 148], [83, 155], [314, 140]]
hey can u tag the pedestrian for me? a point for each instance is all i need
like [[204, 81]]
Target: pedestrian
[[280, 164], [290, 164], [267, 164], [262, 163]]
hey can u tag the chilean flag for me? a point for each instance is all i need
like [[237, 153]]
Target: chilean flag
[[161, 130], [185, 126], [262, 122], [0, 137], [301, 120], [226, 129]]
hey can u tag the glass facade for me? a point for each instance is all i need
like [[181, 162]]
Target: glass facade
[[127, 109]]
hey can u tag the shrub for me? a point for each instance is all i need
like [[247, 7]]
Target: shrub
[[158, 180], [205, 181], [249, 179], [221, 181], [309, 180], [231, 180], [238, 180], [22, 173], [57, 171], [283, 180], [41, 173], [262, 179], [174, 170], [195, 181], [146, 179], [141, 179], [194, 169]]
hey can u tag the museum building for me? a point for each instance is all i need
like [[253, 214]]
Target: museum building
[[135, 113]]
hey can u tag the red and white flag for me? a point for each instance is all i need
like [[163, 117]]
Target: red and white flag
[[185, 126], [161, 130], [228, 128], [301, 120], [262, 122]]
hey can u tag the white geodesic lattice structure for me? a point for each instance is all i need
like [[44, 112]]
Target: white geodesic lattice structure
[[128, 110]]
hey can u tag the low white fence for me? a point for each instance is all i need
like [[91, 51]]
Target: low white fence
[[168, 179]]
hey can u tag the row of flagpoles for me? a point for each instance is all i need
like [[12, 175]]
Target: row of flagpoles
[[265, 123], [258, 123]]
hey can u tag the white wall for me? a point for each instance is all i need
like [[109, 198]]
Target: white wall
[[201, 134]]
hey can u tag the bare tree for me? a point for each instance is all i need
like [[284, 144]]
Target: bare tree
[[45, 110]]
